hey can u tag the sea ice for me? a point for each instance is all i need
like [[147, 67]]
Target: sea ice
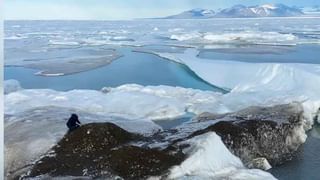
[[244, 37]]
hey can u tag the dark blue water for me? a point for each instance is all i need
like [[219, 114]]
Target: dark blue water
[[132, 67], [306, 164]]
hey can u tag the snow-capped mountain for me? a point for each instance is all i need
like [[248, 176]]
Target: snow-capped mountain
[[266, 10], [238, 11], [194, 14], [313, 9]]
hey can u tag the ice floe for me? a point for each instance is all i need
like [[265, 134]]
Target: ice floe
[[244, 37]]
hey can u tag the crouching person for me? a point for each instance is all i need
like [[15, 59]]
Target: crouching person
[[73, 122]]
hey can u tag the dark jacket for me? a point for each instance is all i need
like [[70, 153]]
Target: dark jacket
[[73, 121]]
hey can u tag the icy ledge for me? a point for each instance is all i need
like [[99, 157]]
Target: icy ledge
[[133, 101], [251, 84]]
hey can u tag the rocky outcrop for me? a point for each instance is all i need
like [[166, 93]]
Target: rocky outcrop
[[258, 135], [102, 150]]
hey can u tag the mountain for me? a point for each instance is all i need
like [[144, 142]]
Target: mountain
[[194, 14], [266, 10], [313, 9], [236, 11], [241, 11]]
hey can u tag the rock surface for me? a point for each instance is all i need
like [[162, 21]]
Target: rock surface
[[101, 150], [257, 135]]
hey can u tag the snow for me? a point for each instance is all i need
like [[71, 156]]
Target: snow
[[269, 6], [210, 159]]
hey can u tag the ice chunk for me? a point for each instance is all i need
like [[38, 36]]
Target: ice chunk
[[63, 42], [11, 85], [186, 36], [121, 38], [210, 159]]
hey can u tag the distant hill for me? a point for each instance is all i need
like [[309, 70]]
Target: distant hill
[[241, 11], [194, 14]]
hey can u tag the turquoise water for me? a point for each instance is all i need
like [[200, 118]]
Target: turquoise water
[[132, 67]]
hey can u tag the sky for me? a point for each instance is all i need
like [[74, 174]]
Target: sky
[[120, 9]]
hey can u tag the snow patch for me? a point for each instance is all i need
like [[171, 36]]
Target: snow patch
[[210, 158]]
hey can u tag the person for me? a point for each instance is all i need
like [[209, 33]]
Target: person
[[73, 122]]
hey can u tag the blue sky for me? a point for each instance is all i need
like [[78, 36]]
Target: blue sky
[[120, 9]]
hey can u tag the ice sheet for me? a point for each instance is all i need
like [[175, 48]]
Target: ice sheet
[[261, 84]]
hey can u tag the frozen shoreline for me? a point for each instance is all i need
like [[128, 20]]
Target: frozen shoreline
[[146, 103]]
